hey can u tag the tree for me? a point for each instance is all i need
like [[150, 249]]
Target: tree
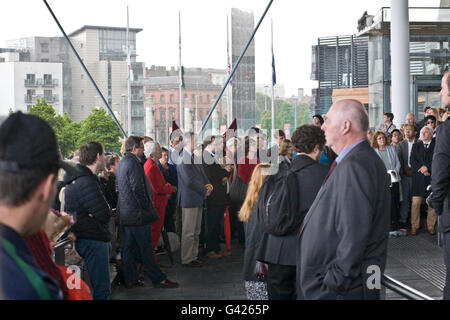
[[45, 112], [66, 130], [303, 115], [100, 127], [266, 121]]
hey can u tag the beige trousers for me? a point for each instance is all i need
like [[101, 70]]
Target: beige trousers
[[191, 224], [415, 214]]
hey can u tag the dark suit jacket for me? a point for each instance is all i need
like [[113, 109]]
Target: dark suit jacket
[[403, 156], [218, 178], [191, 183], [346, 230], [309, 175], [421, 157], [440, 177]]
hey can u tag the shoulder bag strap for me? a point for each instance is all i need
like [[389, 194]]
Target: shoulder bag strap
[[32, 276]]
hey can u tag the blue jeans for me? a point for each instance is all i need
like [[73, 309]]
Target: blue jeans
[[96, 256], [139, 239]]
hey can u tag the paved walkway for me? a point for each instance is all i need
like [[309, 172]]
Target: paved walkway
[[217, 280], [413, 260]]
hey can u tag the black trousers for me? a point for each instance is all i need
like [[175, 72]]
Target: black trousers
[[446, 247], [236, 226], [395, 204], [281, 282], [214, 215]]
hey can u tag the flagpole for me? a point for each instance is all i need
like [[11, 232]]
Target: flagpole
[[229, 108], [273, 84], [129, 74], [180, 99]]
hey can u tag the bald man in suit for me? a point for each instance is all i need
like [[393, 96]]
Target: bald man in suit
[[343, 239]]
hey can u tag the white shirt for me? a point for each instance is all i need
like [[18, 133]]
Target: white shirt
[[410, 145]]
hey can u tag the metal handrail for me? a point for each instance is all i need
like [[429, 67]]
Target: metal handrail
[[402, 289], [58, 249]]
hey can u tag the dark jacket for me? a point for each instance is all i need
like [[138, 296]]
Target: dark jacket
[[345, 232], [440, 179], [218, 177], [253, 235], [170, 175], [191, 182], [109, 189], [87, 203], [134, 202], [421, 157], [309, 175], [403, 157]]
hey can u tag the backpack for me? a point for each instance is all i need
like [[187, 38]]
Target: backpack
[[278, 204]]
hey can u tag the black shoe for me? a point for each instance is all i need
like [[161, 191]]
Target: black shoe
[[194, 264], [166, 284], [140, 283]]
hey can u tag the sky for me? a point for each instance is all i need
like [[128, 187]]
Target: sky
[[297, 25]]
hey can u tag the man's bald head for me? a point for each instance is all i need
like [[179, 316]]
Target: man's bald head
[[345, 123], [353, 111]]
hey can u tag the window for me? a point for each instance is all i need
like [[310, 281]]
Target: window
[[200, 99], [208, 99], [47, 79], [44, 60], [44, 47], [31, 78], [171, 98], [193, 98], [152, 99], [82, 91], [162, 115], [82, 108], [48, 95], [81, 45], [162, 99], [82, 76]]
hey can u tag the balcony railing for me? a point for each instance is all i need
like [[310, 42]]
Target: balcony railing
[[30, 83], [50, 83], [48, 98], [41, 83], [29, 98]]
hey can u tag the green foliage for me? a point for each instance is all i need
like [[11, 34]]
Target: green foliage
[[98, 126]]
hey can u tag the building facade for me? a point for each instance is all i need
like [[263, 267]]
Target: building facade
[[199, 94], [243, 88], [104, 52], [359, 66], [23, 83], [340, 65]]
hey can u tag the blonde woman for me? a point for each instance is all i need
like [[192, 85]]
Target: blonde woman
[[256, 288]]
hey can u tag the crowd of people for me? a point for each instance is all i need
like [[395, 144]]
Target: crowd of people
[[353, 188]]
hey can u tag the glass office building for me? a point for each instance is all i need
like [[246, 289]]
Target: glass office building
[[429, 59], [243, 88]]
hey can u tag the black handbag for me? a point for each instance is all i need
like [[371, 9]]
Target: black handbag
[[260, 270], [238, 189]]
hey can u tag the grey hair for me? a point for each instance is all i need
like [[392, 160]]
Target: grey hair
[[426, 128], [150, 148]]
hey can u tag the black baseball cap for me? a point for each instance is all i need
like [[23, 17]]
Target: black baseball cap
[[26, 142]]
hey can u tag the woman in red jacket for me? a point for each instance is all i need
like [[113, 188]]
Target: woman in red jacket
[[161, 189]]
